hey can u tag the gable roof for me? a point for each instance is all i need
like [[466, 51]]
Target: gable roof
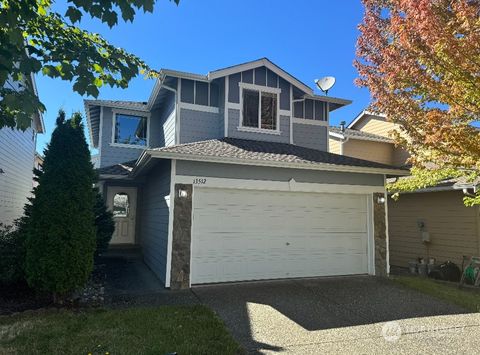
[[260, 153], [349, 133], [121, 169], [258, 63], [92, 109], [363, 114]]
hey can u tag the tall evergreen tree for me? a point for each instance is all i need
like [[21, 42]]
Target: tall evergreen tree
[[61, 231]]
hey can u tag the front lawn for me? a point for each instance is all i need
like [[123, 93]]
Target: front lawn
[[161, 330], [468, 299]]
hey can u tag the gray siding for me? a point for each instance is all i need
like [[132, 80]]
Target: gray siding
[[263, 77], [17, 152], [111, 155], [310, 136], [198, 125], [235, 171], [162, 123], [169, 130], [234, 123], [154, 218], [199, 92]]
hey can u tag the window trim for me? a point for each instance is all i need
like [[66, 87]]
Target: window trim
[[116, 112], [260, 89]]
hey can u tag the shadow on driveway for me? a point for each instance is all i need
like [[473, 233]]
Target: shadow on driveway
[[276, 315]]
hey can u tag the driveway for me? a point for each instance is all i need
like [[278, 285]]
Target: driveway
[[340, 315]]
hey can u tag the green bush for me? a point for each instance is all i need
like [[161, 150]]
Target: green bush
[[60, 229], [12, 255], [104, 223]]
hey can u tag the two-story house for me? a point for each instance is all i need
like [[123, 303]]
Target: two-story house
[[17, 161], [428, 223], [227, 177]]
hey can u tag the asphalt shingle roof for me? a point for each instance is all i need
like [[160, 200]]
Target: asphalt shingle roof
[[267, 151], [117, 169], [353, 133], [133, 105]]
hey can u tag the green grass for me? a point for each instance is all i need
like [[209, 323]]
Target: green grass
[[468, 299], [161, 330]]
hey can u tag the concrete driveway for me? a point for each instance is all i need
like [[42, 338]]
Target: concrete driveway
[[361, 315]]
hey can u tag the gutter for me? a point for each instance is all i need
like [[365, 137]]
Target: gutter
[[148, 155]]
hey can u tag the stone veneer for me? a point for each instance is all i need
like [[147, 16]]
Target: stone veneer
[[181, 238], [380, 235]]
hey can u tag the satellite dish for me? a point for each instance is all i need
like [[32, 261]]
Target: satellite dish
[[325, 83]]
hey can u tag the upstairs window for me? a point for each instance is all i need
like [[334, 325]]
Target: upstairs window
[[259, 109], [130, 130]]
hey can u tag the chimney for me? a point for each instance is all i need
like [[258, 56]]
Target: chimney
[[342, 126]]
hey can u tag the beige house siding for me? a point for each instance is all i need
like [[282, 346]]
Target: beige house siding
[[400, 156], [373, 151], [453, 228], [334, 146], [375, 125]]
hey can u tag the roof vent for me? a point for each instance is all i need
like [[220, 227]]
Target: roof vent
[[342, 126]]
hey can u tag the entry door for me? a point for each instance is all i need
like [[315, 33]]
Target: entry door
[[252, 235], [122, 201]]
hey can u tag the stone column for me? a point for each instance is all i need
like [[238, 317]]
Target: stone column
[[181, 237], [380, 235]]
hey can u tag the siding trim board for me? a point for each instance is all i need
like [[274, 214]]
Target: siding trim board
[[277, 164], [273, 185]]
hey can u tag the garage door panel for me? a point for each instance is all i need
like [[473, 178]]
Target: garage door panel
[[251, 235]]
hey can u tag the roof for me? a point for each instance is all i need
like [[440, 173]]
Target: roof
[[363, 114], [444, 185], [92, 108], [121, 169], [356, 134], [283, 155]]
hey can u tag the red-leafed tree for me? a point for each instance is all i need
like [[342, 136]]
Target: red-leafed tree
[[420, 59]]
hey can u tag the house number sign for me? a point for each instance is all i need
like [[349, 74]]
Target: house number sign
[[199, 181]]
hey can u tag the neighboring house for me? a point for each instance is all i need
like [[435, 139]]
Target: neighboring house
[[436, 213], [38, 165], [17, 159], [227, 177]]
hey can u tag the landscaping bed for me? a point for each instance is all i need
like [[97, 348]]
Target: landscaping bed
[[19, 297], [160, 330], [447, 291]]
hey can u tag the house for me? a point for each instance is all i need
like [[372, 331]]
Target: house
[[17, 160], [429, 223], [227, 177]]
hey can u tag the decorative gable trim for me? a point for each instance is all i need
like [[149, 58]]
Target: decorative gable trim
[[258, 63], [362, 114]]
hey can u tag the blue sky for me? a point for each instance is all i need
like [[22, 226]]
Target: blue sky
[[309, 39]]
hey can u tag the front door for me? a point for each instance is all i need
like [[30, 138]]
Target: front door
[[122, 201]]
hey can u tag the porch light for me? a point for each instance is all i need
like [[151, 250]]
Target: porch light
[[381, 200], [182, 193]]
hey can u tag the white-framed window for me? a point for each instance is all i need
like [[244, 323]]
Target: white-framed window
[[130, 129], [259, 107]]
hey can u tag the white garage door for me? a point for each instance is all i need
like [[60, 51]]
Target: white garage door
[[253, 235]]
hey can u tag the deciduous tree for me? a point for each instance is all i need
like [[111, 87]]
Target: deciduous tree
[[34, 38], [420, 59]]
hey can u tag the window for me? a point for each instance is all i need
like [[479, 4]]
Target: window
[[120, 205], [259, 109], [131, 130]]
